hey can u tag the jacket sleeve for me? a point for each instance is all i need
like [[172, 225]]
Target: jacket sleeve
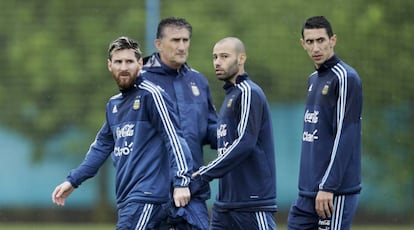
[[96, 156], [166, 121], [346, 150], [248, 127]]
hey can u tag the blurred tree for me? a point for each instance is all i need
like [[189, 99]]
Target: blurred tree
[[54, 69], [373, 36], [54, 74]]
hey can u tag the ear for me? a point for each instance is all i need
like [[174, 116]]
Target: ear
[[333, 41], [140, 63], [109, 65], [157, 43], [302, 42], [242, 58]]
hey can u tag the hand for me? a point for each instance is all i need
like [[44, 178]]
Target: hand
[[324, 204], [61, 192], [181, 196]]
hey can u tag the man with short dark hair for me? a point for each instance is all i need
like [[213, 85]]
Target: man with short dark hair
[[330, 166], [190, 91]]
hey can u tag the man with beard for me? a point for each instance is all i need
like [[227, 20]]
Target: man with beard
[[141, 136], [245, 165]]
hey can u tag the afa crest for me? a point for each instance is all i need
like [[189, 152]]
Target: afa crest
[[137, 104], [325, 90], [229, 102], [195, 89]]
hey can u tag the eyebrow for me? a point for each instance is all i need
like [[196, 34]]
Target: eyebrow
[[319, 38]]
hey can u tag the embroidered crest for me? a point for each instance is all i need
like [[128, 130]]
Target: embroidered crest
[[137, 104], [325, 90], [229, 102], [195, 89]]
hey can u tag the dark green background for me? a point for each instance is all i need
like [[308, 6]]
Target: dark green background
[[54, 82]]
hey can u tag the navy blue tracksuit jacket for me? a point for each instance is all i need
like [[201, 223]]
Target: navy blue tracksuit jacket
[[246, 164], [331, 141], [197, 115], [141, 137]]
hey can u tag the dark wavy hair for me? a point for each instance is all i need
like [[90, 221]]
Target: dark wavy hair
[[318, 22], [122, 43], [173, 21]]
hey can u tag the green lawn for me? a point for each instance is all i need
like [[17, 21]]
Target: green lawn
[[55, 226], [111, 227]]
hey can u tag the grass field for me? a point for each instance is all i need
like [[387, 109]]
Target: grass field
[[111, 227]]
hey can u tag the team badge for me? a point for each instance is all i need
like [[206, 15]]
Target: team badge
[[229, 102], [137, 104], [325, 90], [195, 89]]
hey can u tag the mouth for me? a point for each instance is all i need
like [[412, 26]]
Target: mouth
[[124, 77], [317, 57], [219, 72], [124, 74]]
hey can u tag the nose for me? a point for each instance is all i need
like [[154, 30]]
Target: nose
[[181, 45], [315, 47], [216, 62], [124, 65]]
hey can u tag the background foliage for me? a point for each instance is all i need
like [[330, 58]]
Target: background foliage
[[54, 76]]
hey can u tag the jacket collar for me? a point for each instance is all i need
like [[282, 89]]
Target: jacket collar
[[328, 64], [244, 76], [153, 63], [127, 91], [130, 89]]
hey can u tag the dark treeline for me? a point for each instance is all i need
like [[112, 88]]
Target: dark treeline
[[54, 76]]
